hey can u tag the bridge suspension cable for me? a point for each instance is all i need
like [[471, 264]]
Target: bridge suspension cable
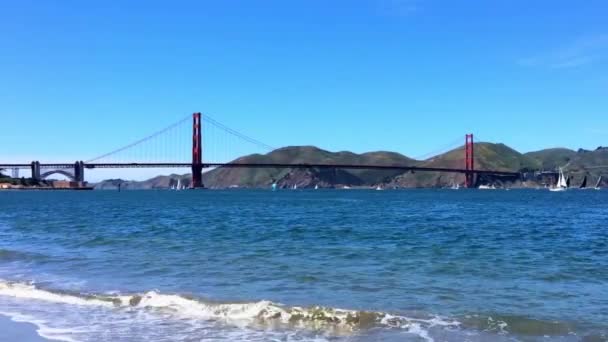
[[456, 143], [208, 119], [140, 141], [173, 144]]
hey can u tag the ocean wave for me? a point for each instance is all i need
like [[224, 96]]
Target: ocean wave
[[252, 314], [264, 315], [30, 291], [7, 255]]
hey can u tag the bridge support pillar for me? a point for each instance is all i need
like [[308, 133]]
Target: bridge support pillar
[[79, 171], [36, 170], [469, 161], [197, 152]]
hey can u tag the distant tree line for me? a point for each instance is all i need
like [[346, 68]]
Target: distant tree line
[[19, 181]]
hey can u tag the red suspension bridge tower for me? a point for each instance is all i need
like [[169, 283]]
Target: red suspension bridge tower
[[197, 152], [469, 160]]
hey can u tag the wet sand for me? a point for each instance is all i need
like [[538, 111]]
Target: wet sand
[[11, 331]]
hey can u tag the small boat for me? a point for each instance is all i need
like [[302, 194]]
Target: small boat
[[295, 187], [274, 186], [562, 184], [455, 186], [597, 185], [346, 187], [379, 188], [316, 186], [487, 187]]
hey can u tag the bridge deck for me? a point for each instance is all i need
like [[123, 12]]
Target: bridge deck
[[404, 168]]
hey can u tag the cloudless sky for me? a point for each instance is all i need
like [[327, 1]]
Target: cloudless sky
[[79, 78]]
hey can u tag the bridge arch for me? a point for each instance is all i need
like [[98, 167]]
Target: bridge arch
[[61, 172]]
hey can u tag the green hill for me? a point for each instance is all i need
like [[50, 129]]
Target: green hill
[[576, 164], [552, 158], [488, 156], [260, 177], [592, 164], [158, 182]]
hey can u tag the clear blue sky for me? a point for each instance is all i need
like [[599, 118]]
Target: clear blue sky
[[78, 78]]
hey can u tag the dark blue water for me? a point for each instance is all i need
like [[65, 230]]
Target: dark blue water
[[307, 265]]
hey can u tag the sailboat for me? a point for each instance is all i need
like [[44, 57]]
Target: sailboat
[[455, 186], [379, 188], [562, 184], [179, 184], [597, 185], [584, 183], [295, 186], [316, 186]]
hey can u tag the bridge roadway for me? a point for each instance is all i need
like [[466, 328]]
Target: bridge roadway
[[404, 168]]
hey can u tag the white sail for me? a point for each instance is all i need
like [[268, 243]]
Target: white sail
[[179, 184], [599, 180], [562, 180]]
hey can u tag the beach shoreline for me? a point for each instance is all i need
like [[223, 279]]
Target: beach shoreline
[[11, 331]]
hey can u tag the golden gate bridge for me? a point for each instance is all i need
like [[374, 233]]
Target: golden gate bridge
[[168, 136]]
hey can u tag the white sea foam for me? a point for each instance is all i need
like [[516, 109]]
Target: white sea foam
[[418, 326], [251, 314], [192, 308], [498, 325], [29, 291]]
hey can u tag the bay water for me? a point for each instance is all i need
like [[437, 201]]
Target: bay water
[[307, 265]]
